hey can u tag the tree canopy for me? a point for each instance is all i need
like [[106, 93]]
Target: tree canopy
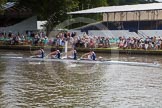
[[1, 3]]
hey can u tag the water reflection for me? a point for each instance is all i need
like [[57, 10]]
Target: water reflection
[[57, 84]]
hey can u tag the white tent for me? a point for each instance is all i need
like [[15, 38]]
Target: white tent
[[40, 24], [123, 8], [138, 12]]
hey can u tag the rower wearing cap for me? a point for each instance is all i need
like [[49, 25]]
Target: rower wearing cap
[[55, 54]]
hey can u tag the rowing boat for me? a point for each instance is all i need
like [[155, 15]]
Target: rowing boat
[[108, 62]]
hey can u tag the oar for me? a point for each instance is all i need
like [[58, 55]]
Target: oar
[[100, 58], [86, 54]]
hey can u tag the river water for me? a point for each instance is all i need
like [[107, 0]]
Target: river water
[[65, 85]]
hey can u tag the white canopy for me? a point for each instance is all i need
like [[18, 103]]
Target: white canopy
[[40, 24], [123, 8]]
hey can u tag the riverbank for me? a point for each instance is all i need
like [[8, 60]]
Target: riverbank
[[97, 50]]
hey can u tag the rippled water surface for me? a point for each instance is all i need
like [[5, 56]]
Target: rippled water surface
[[69, 85]]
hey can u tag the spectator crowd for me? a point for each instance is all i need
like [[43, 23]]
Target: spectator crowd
[[84, 40]]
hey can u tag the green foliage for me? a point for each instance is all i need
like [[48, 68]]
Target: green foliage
[[128, 2], [1, 3], [45, 8], [86, 4]]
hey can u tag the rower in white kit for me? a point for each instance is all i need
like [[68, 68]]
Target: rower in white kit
[[39, 54], [72, 54], [89, 56], [55, 54]]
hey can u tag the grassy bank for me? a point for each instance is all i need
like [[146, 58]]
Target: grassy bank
[[97, 50]]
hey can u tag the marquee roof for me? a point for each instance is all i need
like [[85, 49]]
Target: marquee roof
[[123, 8]]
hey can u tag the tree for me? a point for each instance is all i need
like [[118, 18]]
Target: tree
[[86, 4], [2, 2], [128, 2], [45, 8], [113, 2]]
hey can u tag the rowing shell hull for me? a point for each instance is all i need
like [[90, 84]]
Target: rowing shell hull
[[96, 62]]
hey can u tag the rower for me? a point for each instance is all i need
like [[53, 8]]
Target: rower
[[75, 54], [90, 56], [55, 54], [72, 54], [93, 55], [39, 53]]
